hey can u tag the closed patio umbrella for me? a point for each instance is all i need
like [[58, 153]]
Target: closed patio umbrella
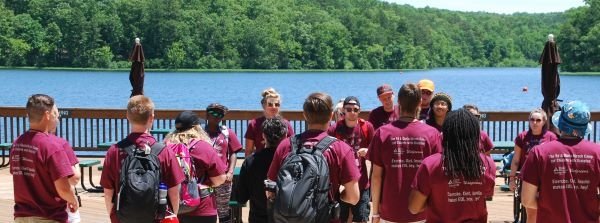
[[136, 75], [550, 60]]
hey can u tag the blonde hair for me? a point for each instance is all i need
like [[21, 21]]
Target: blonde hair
[[187, 135], [139, 109], [269, 93], [541, 112]]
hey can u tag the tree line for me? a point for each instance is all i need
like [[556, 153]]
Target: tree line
[[280, 34]]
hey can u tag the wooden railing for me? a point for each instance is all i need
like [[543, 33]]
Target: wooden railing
[[86, 128]]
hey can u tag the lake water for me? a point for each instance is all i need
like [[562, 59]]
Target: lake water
[[492, 89]]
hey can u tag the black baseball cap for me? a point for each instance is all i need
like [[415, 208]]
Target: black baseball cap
[[186, 120], [351, 100]]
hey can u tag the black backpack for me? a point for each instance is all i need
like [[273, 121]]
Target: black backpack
[[137, 198], [303, 185]]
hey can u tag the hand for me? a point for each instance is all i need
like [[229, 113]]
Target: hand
[[362, 152], [512, 184], [229, 177], [73, 206], [375, 219]]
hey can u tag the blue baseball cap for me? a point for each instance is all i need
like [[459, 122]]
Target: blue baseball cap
[[573, 119]]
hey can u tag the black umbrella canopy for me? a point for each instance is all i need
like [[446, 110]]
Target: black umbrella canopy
[[136, 75], [550, 60]]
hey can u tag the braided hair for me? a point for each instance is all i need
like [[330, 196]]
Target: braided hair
[[461, 146]]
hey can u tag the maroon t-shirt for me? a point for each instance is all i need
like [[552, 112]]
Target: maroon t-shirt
[[399, 148], [526, 141], [454, 200], [38, 159], [69, 152], [431, 122], [170, 172], [225, 146], [208, 164], [340, 159], [254, 132], [357, 137], [485, 143], [379, 117], [567, 174]]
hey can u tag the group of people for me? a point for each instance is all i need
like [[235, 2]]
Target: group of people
[[429, 163]]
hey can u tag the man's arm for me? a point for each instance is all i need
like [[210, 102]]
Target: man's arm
[[350, 194], [173, 194], [108, 194], [416, 202], [249, 147], [529, 195], [74, 180], [376, 175], [232, 162], [66, 192]]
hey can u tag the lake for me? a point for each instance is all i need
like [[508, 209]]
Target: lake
[[492, 89]]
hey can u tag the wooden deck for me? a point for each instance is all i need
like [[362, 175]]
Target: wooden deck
[[93, 209]]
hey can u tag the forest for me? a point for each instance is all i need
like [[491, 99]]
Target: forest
[[286, 34]]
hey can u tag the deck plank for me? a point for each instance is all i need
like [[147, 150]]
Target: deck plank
[[94, 211]]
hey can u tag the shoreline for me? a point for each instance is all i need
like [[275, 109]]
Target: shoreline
[[207, 70]]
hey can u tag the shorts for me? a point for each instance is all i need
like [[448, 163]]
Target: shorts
[[33, 220], [360, 211]]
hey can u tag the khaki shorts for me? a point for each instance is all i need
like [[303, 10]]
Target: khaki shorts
[[34, 220]]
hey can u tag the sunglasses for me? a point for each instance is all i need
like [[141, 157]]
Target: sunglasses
[[355, 110], [534, 120], [426, 92], [276, 105], [216, 114]]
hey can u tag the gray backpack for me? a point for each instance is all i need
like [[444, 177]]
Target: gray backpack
[[303, 184]]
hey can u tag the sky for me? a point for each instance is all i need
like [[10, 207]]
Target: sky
[[496, 6]]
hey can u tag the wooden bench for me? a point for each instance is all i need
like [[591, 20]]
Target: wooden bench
[[5, 160], [162, 132], [105, 145], [89, 164], [500, 148]]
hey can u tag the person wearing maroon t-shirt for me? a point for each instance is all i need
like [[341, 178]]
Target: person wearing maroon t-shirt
[[441, 104], [357, 133], [270, 102], [396, 151], [318, 110], [140, 114], [207, 165], [427, 88], [485, 143], [452, 186], [565, 172], [385, 113], [524, 142], [41, 168], [226, 145]]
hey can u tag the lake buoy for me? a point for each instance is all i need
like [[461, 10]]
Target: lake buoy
[[525, 89]]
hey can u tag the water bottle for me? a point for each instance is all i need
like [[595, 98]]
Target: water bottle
[[162, 201]]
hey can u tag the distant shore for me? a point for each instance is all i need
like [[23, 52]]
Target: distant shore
[[206, 70], [580, 73]]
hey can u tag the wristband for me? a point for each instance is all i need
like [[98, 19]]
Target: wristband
[[375, 216]]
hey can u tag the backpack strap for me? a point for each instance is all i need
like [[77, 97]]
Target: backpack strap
[[156, 148], [324, 144], [295, 143], [127, 146]]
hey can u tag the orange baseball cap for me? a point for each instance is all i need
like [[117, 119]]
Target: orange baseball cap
[[427, 85]]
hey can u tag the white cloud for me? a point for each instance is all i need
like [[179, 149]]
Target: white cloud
[[505, 6]]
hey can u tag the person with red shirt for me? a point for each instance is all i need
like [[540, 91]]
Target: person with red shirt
[[207, 163], [440, 105], [485, 143], [271, 102], [318, 110], [524, 142], [396, 151], [427, 88], [561, 178], [226, 144], [357, 133], [452, 186], [40, 167], [140, 114], [385, 113]]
